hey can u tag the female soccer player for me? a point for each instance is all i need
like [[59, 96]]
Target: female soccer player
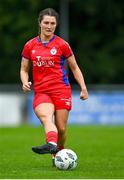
[[52, 92]]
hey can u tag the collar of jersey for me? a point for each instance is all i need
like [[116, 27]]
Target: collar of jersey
[[45, 43]]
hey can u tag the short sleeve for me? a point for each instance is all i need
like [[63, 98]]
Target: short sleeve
[[66, 50], [26, 51]]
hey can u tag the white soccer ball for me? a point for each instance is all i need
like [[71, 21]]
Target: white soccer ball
[[66, 159]]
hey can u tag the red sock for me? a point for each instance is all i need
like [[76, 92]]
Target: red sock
[[61, 147], [52, 137]]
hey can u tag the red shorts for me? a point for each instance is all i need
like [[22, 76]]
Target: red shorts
[[61, 99]]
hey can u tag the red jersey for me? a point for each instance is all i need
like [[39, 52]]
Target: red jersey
[[47, 60]]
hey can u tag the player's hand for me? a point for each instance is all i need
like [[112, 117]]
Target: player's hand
[[84, 94], [27, 87]]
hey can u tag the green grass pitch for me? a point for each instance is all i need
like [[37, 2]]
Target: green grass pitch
[[100, 151]]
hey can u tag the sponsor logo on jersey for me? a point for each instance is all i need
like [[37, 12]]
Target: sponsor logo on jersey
[[43, 61], [53, 51]]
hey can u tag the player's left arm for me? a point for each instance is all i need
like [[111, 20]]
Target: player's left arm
[[78, 76]]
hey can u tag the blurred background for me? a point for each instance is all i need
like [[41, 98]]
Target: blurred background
[[95, 32]]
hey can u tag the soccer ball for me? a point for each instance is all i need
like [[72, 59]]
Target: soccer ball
[[66, 159]]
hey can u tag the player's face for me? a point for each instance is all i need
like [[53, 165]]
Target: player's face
[[48, 25]]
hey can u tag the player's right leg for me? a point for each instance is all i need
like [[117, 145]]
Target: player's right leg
[[44, 111]]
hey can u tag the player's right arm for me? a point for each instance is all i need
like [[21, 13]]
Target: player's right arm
[[24, 75]]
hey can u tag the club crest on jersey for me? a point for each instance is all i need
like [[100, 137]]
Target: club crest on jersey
[[53, 51], [33, 51]]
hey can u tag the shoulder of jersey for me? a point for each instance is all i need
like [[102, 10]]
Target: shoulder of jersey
[[61, 41], [31, 41]]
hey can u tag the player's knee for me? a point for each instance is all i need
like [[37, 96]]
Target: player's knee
[[62, 130], [43, 117]]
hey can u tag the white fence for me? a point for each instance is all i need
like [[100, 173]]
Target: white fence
[[12, 105], [103, 107]]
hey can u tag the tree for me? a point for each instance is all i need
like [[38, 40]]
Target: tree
[[96, 36]]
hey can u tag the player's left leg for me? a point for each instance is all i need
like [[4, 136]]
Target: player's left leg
[[61, 118], [63, 103]]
